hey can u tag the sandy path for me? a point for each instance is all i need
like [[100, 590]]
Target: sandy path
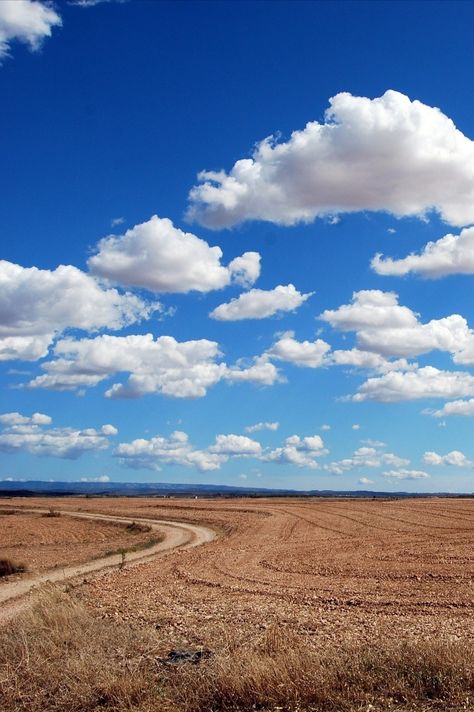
[[180, 535]]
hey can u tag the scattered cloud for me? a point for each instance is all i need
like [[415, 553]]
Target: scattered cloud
[[325, 427], [162, 365], [457, 407], [452, 254], [365, 481], [384, 327], [27, 21], [37, 305], [99, 478], [301, 353], [117, 221], [455, 457], [298, 451], [160, 257], [175, 450], [260, 303], [236, 445], [383, 154], [365, 457], [426, 382], [356, 426], [31, 434], [261, 426], [406, 474]]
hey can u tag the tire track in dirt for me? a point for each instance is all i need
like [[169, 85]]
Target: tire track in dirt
[[177, 535]]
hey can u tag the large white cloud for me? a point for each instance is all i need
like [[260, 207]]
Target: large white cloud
[[452, 254], [426, 382], [261, 303], [385, 327], [387, 153], [162, 365], [26, 21], [160, 257], [455, 457], [32, 435], [36, 305]]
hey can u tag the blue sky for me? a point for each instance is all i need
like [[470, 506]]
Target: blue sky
[[247, 334]]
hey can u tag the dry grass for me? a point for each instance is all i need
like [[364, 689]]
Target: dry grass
[[58, 657], [9, 567], [281, 672]]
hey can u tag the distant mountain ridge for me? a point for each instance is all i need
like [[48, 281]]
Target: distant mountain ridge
[[32, 488]]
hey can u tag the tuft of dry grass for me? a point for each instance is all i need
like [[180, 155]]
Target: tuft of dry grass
[[58, 656], [51, 513], [136, 528], [9, 567]]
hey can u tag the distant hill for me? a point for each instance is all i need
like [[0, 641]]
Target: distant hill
[[167, 489]]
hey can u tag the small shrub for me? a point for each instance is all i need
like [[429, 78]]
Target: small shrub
[[51, 513], [135, 528], [9, 567]]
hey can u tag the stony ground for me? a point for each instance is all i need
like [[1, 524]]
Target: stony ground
[[331, 569]]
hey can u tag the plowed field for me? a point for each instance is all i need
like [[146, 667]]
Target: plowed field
[[330, 569], [43, 543]]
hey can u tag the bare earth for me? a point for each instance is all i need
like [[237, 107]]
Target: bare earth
[[329, 569], [43, 543]]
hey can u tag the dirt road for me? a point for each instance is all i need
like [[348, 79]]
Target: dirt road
[[176, 535]]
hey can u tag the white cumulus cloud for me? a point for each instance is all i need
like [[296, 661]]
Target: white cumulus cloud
[[406, 474], [262, 426], [302, 353], [32, 435], [298, 451], [160, 257], [235, 445], [455, 457], [163, 365], [261, 303], [457, 407], [452, 254], [27, 21], [387, 153], [425, 382], [37, 305]]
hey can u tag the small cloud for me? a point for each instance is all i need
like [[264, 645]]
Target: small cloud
[[117, 221], [391, 230], [442, 424], [374, 443], [243, 477], [325, 427], [261, 426], [365, 481], [100, 478], [334, 220], [356, 426]]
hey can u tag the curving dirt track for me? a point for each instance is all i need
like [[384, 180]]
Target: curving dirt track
[[329, 568], [175, 535]]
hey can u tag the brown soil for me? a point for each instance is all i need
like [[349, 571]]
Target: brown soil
[[331, 570], [44, 542]]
